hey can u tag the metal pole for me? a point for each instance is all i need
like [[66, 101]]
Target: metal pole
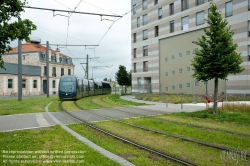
[[181, 102], [193, 93], [115, 84], [47, 68], [19, 68], [160, 93], [87, 68], [166, 100], [206, 87]]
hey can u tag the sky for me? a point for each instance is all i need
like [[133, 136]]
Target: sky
[[114, 41]]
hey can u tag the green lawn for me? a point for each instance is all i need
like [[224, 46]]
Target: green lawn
[[52, 144], [27, 105]]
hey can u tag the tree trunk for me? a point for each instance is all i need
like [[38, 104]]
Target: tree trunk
[[216, 82]]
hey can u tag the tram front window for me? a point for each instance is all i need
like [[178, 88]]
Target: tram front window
[[67, 85]]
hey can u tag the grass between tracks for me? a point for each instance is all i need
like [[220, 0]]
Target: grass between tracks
[[129, 152], [184, 150], [52, 143]]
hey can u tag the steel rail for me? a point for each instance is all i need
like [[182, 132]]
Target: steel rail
[[182, 123], [167, 134], [128, 141]]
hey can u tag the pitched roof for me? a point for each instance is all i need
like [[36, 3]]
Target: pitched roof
[[27, 47]]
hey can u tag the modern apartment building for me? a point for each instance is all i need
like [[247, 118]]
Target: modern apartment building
[[34, 73], [163, 41]]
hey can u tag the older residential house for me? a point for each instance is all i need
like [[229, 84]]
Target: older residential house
[[34, 75]]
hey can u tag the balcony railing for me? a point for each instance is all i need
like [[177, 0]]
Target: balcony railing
[[53, 74], [145, 69]]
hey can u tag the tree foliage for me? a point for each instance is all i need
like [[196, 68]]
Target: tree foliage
[[217, 57], [122, 76], [10, 30]]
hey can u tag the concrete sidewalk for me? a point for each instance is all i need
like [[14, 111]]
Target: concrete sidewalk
[[171, 108]]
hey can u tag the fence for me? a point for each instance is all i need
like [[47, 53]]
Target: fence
[[191, 95]]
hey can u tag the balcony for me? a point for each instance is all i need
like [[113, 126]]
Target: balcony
[[53, 74], [145, 69]]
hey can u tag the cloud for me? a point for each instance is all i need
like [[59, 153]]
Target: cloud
[[113, 50]]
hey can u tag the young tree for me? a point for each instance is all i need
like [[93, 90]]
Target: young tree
[[129, 78], [122, 76], [11, 31], [217, 57]]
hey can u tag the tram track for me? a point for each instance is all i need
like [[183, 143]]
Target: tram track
[[126, 140], [179, 123], [164, 133]]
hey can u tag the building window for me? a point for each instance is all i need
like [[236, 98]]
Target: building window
[[199, 2], [34, 83], [54, 84], [69, 72], [53, 58], [229, 9], [188, 68], [180, 55], [10, 83], [60, 59], [195, 50], [180, 70], [145, 66], [248, 52], [134, 37], [144, 4], [184, 23], [248, 4], [138, 21], [249, 27], [200, 18], [156, 31], [166, 88], [184, 5], [188, 84], [172, 56], [173, 72], [45, 71], [134, 52], [23, 83], [134, 9], [160, 13], [171, 26], [145, 19], [145, 34], [166, 59], [180, 86], [187, 52], [53, 72], [145, 50], [196, 83], [173, 87], [156, 2], [134, 67], [62, 71], [171, 9], [166, 73]]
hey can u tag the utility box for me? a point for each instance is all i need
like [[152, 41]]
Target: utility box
[[120, 92]]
